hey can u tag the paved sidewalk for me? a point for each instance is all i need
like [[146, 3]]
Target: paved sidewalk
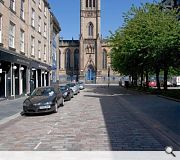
[[10, 108]]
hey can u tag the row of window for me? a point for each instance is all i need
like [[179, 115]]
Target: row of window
[[90, 3], [76, 59], [39, 23], [12, 30], [68, 64], [39, 49], [13, 7], [40, 6]]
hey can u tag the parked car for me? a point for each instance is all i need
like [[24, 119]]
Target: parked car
[[124, 81], [152, 84], [67, 92], [176, 81], [74, 87], [81, 85], [43, 99]]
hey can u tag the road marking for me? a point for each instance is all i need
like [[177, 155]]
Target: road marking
[[56, 123], [37, 145], [49, 132]]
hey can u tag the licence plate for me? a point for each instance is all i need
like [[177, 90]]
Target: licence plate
[[44, 107]]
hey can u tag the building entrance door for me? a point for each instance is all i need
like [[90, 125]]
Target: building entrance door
[[90, 74]]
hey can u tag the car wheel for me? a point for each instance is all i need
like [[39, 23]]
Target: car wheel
[[56, 108], [62, 104], [69, 97]]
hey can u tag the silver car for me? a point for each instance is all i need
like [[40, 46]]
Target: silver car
[[74, 87], [81, 85]]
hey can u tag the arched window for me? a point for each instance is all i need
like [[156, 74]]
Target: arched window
[[90, 28], [94, 3], [90, 3], [68, 59], [104, 59], [76, 59], [86, 3]]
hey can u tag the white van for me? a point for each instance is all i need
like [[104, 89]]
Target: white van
[[176, 81]]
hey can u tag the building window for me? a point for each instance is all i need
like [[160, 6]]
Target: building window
[[12, 4], [76, 59], [45, 52], [39, 25], [33, 18], [22, 41], [0, 28], [90, 29], [40, 4], [104, 59], [68, 59], [39, 49], [94, 3], [12, 35], [59, 59], [90, 3], [87, 3], [32, 45], [45, 30], [22, 9], [45, 10], [178, 2]]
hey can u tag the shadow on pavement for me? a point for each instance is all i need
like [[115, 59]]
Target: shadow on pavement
[[125, 131]]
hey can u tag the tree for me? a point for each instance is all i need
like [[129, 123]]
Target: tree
[[147, 42]]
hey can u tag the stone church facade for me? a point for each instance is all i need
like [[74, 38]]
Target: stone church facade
[[87, 59]]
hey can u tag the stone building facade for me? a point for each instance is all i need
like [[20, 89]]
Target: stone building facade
[[87, 59], [25, 49], [54, 48]]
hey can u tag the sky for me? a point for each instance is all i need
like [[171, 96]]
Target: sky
[[68, 14]]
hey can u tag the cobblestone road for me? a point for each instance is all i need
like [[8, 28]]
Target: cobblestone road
[[98, 119]]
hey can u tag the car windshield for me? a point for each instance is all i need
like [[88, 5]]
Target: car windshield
[[71, 84], [63, 88], [43, 92]]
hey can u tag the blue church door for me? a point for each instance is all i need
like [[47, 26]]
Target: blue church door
[[90, 74]]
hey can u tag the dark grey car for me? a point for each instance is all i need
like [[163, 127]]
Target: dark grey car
[[43, 99], [67, 92]]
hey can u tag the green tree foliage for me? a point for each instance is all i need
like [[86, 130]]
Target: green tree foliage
[[148, 42]]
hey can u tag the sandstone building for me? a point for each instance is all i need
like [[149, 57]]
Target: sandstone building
[[88, 58], [27, 28]]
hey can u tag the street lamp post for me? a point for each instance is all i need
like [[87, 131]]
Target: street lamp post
[[108, 74]]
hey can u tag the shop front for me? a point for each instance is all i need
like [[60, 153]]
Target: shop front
[[20, 75], [40, 74], [14, 72]]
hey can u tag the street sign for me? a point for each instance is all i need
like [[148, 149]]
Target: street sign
[[0, 70]]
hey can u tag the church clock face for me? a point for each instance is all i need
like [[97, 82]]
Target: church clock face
[[90, 14]]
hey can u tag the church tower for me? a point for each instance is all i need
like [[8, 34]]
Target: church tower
[[90, 41]]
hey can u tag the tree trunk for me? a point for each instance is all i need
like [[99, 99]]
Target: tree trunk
[[141, 79], [132, 83], [165, 77], [157, 79], [135, 79], [147, 79]]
